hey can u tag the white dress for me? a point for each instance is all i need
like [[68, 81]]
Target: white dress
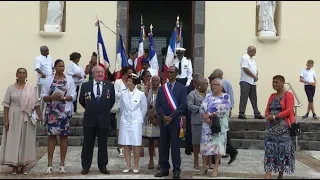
[[119, 86], [133, 108]]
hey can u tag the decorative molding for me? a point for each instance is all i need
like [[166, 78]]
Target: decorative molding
[[51, 34], [268, 38]]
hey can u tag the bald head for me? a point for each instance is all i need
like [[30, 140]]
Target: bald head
[[251, 51], [44, 50]]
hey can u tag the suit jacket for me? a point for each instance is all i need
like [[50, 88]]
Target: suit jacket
[[162, 105], [97, 113], [194, 104]]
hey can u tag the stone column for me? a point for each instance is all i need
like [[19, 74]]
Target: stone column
[[199, 38]]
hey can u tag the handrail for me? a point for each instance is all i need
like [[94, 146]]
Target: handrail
[[295, 95], [295, 110]]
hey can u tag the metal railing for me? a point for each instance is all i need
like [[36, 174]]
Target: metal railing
[[295, 110]]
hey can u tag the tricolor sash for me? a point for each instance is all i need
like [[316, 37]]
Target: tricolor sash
[[173, 104], [169, 96]]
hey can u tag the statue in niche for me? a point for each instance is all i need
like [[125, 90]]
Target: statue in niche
[[54, 16], [266, 25]]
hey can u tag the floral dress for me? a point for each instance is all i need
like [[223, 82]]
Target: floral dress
[[215, 144], [58, 120], [278, 144]]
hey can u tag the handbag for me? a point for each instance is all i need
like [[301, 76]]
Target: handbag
[[215, 125], [115, 108], [294, 128]]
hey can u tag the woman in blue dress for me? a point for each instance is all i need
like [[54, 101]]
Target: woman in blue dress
[[58, 93]]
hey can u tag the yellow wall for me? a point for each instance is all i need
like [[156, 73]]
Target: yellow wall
[[20, 40], [230, 29]]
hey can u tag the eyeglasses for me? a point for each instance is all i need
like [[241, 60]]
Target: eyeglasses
[[215, 84]]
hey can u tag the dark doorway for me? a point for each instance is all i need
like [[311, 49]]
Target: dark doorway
[[163, 16]]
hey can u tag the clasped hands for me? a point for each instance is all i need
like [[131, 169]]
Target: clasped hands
[[56, 97], [207, 117], [270, 117], [167, 120]]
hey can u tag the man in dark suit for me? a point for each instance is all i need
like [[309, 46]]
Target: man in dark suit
[[170, 123], [97, 98]]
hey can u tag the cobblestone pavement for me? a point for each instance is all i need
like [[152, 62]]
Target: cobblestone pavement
[[249, 165]]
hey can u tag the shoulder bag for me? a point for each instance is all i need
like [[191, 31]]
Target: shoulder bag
[[294, 128]]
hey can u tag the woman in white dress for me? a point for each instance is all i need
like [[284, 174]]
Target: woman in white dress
[[133, 108], [119, 86]]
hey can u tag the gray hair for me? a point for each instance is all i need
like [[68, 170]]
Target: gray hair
[[219, 81], [196, 77], [154, 77], [96, 68]]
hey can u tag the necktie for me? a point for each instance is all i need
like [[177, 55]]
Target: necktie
[[134, 67], [170, 87], [179, 72], [98, 92]]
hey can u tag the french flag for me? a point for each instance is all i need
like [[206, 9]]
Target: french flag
[[121, 60], [152, 54], [140, 50], [102, 53], [170, 53]]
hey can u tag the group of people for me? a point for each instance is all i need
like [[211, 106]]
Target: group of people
[[145, 107]]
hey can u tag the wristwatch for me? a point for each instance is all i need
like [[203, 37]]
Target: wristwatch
[[274, 117]]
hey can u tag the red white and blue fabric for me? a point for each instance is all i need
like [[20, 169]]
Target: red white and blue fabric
[[140, 50], [169, 96], [103, 59], [121, 60]]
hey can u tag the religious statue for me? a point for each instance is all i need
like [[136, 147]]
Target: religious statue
[[54, 16], [266, 25]]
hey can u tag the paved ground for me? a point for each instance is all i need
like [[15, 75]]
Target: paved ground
[[248, 165]]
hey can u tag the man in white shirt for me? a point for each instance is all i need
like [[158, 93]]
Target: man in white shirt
[[248, 79], [146, 67], [43, 66], [308, 77], [184, 66], [133, 58]]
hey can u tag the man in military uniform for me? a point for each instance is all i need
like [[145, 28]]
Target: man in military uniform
[[184, 66]]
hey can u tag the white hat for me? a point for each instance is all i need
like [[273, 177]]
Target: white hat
[[180, 49]]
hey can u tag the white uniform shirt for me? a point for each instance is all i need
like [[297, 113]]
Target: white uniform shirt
[[250, 63], [308, 75], [186, 71], [45, 65], [74, 68], [152, 72], [95, 86], [130, 62]]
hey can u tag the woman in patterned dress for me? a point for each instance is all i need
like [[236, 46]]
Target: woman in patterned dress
[[151, 131], [59, 93], [217, 104], [279, 149]]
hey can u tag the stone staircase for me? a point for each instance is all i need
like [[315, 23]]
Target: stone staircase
[[244, 134]]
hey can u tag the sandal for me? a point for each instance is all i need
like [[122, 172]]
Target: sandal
[[214, 172], [62, 170], [49, 170], [151, 165]]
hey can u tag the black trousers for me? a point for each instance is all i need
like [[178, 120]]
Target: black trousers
[[169, 136], [248, 91], [75, 103], [89, 137], [188, 140]]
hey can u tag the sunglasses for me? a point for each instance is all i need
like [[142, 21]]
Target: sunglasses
[[170, 72]]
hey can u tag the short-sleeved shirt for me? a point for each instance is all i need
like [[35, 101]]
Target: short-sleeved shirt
[[308, 75], [44, 64], [250, 63]]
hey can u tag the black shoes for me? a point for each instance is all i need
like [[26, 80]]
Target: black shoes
[[85, 171], [162, 174], [242, 116], [233, 157], [257, 116], [104, 171], [176, 176]]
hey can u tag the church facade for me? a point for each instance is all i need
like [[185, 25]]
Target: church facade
[[222, 31]]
